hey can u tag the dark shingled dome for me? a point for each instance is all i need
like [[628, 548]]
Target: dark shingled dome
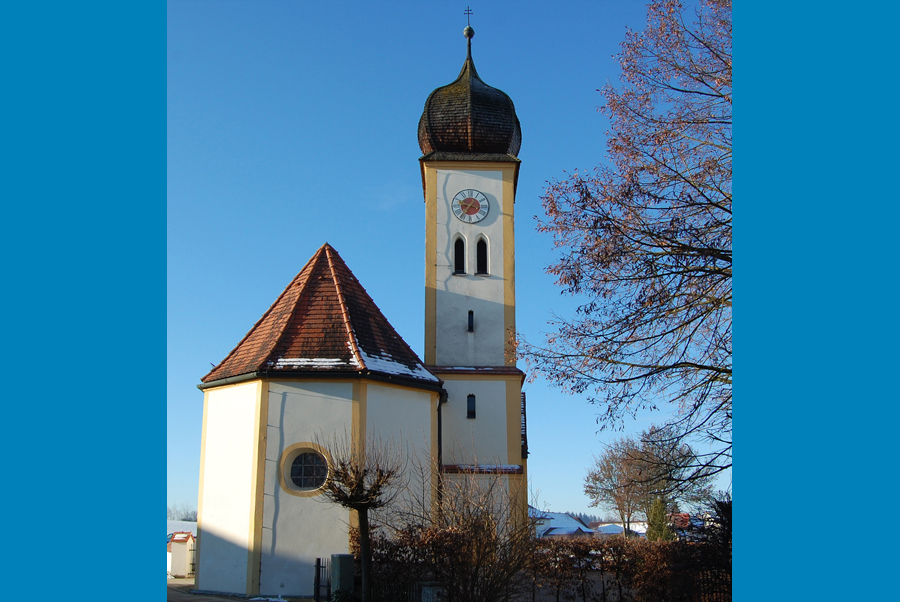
[[469, 116]]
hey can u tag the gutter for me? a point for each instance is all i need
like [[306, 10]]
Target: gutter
[[283, 375]]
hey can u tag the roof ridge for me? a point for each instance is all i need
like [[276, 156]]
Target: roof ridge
[[345, 314], [300, 294], [268, 311]]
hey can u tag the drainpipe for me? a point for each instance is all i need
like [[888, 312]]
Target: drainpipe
[[442, 399]]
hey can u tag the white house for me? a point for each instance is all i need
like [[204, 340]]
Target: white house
[[558, 524], [180, 554], [611, 529]]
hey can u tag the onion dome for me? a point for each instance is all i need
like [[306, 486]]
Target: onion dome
[[469, 116]]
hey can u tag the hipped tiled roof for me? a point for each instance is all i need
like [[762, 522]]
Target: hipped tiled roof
[[323, 322]]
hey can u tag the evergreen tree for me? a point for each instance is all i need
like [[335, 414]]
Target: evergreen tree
[[658, 522]]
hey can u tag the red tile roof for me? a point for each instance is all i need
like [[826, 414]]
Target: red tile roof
[[323, 322]]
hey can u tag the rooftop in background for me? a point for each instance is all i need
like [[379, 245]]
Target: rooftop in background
[[551, 524], [173, 526]]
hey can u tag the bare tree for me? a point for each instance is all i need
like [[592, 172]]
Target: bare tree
[[182, 511], [470, 532], [633, 472], [668, 468], [495, 538], [363, 479], [615, 481], [646, 239]]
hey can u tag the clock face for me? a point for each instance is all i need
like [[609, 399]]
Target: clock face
[[470, 206]]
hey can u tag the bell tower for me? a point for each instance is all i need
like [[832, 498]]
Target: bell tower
[[470, 137]]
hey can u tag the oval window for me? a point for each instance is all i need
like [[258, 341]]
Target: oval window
[[309, 470]]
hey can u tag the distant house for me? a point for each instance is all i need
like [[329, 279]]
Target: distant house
[[558, 525], [606, 530], [687, 527], [178, 531], [180, 554]]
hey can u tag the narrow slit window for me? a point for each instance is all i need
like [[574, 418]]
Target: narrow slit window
[[471, 321], [482, 257], [459, 257], [470, 406]]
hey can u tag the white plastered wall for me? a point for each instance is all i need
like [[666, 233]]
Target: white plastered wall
[[457, 295], [227, 474], [181, 559], [404, 417], [482, 439], [297, 530]]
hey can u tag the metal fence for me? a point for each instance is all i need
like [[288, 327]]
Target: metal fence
[[322, 583]]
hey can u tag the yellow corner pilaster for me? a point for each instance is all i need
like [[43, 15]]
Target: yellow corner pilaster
[[509, 265], [257, 492], [430, 265], [200, 489]]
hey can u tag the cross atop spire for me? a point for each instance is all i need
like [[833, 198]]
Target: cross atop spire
[[468, 32]]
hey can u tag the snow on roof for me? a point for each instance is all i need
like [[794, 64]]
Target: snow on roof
[[616, 528], [181, 525], [559, 523], [482, 468], [388, 365], [181, 536], [318, 362], [639, 527]]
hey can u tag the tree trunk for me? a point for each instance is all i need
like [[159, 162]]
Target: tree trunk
[[365, 554]]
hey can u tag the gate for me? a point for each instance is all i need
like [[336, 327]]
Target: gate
[[193, 556], [322, 582]]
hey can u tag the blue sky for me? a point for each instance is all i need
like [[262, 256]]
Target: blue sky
[[84, 244], [292, 124]]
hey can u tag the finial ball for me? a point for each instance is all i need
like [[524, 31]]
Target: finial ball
[[469, 32]]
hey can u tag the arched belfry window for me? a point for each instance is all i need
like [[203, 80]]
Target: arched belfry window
[[481, 256], [459, 256]]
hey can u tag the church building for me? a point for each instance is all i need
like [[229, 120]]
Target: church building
[[323, 360]]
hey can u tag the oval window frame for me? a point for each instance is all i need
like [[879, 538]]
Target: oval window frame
[[287, 458]]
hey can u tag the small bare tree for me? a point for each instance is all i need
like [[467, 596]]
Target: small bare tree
[[364, 479], [634, 472], [615, 481], [668, 468], [469, 531]]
